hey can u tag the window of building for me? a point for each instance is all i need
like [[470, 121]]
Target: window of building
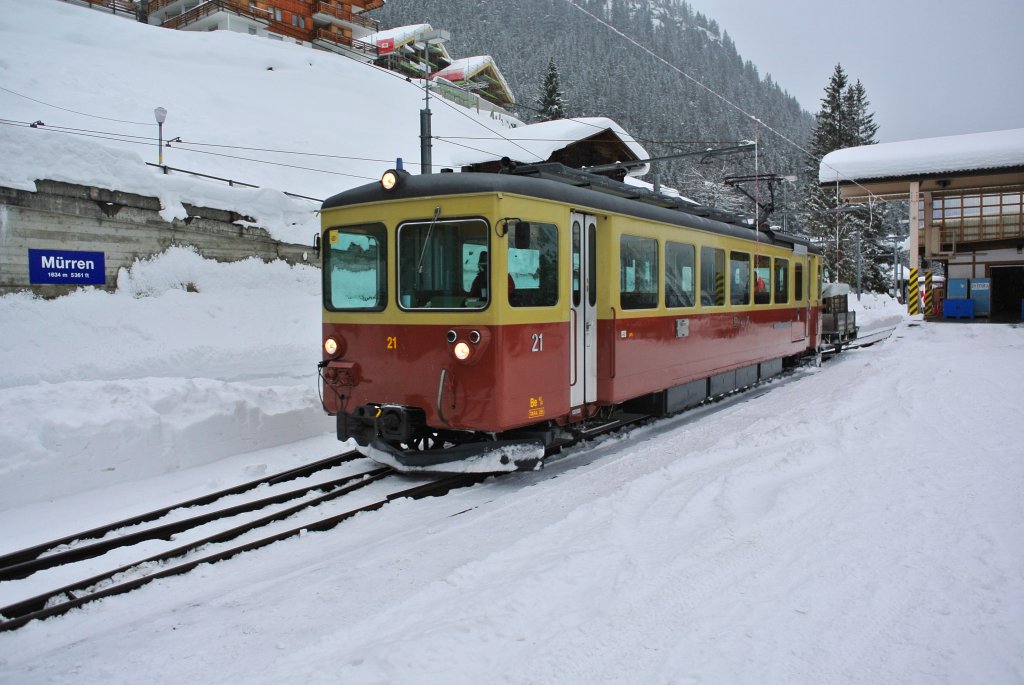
[[638, 272], [966, 217], [679, 274], [533, 265], [712, 277]]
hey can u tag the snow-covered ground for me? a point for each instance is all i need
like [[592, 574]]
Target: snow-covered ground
[[860, 523]]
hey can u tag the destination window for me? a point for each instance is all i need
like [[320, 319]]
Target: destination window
[[533, 265], [355, 268], [444, 264], [712, 277], [739, 278], [638, 272], [781, 281], [762, 279], [679, 274]]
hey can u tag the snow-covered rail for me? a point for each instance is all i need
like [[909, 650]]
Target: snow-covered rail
[[183, 558], [70, 548]]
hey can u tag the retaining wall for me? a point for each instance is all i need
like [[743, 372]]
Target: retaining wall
[[123, 226]]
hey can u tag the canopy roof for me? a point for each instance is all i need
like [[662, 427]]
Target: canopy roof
[[972, 152]]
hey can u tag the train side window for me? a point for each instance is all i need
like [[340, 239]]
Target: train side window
[[444, 264], [781, 281], [762, 279], [798, 282], [679, 274], [592, 263], [739, 277], [355, 268], [533, 269], [712, 277], [638, 272]]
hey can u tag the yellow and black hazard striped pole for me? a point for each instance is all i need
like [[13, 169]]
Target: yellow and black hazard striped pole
[[928, 301], [720, 288], [913, 294]]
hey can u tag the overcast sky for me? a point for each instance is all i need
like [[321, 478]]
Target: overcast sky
[[930, 67]]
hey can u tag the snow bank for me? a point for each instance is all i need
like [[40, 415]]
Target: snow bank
[[189, 361]]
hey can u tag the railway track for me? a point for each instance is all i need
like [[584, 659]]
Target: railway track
[[267, 522], [73, 550], [863, 341], [872, 338]]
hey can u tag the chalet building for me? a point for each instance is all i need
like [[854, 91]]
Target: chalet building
[[415, 50], [339, 26], [408, 51], [335, 25], [966, 199], [479, 75]]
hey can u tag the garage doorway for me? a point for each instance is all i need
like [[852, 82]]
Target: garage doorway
[[1007, 293]]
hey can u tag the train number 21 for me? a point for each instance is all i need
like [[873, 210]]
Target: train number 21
[[392, 342], [538, 342]]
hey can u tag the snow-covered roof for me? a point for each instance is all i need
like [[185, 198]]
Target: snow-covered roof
[[406, 40], [537, 142], [399, 36], [470, 68], [948, 154]]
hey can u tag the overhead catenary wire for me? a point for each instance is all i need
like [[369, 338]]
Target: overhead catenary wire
[[144, 141], [715, 94], [84, 114]]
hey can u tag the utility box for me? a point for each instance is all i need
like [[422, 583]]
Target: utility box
[[956, 289], [981, 293]]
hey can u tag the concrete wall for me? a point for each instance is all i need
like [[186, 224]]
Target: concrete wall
[[123, 226]]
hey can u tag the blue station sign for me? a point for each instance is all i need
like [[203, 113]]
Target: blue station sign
[[64, 267]]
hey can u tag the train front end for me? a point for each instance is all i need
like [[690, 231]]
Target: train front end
[[415, 293]]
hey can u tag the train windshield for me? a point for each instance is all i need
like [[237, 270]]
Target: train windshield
[[355, 268], [444, 264]]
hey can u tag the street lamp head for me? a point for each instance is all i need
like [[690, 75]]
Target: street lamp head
[[161, 114]]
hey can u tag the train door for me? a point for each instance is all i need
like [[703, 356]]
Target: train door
[[801, 294], [583, 314]]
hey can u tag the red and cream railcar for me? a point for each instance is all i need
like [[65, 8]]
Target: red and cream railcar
[[475, 321]]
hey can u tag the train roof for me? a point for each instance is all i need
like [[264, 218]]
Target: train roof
[[552, 181]]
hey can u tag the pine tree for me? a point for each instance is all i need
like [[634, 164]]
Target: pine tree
[[862, 122], [844, 230], [551, 102]]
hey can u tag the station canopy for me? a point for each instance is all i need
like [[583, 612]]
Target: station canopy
[[972, 154]]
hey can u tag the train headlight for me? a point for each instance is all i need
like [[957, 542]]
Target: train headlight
[[392, 178], [331, 346], [462, 351]]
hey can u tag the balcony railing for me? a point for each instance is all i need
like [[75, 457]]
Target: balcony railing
[[345, 16], [156, 5], [235, 7], [115, 6], [345, 41]]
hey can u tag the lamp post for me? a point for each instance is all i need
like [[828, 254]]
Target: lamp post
[[161, 115]]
